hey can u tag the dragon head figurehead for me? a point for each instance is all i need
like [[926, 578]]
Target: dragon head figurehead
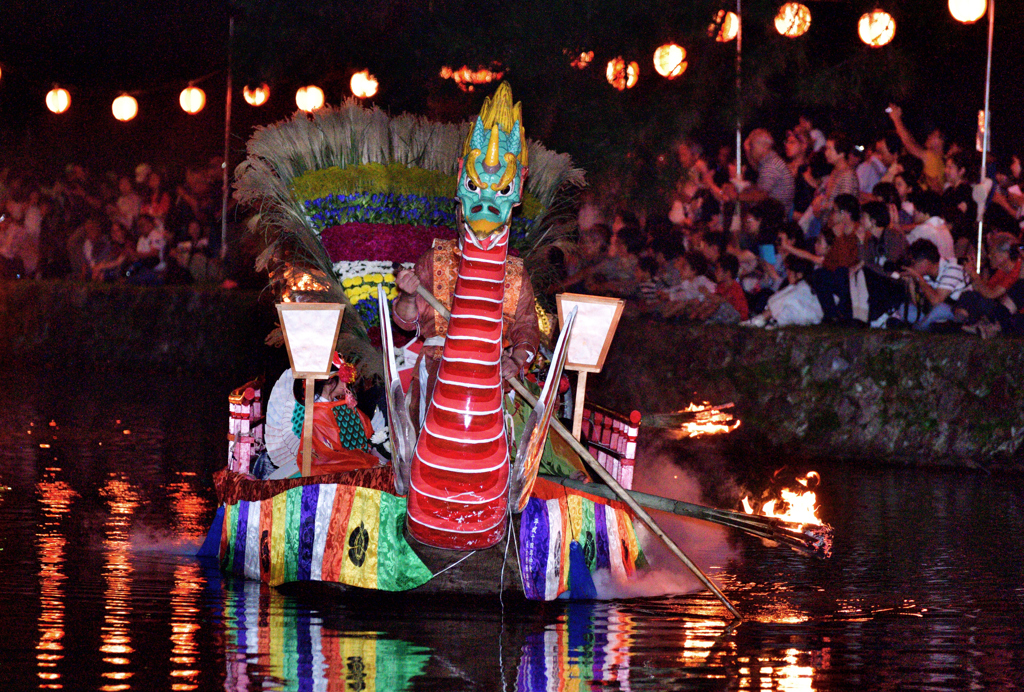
[[493, 169]]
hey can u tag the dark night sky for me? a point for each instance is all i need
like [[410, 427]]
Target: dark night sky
[[99, 48]]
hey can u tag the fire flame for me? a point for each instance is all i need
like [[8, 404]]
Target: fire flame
[[798, 507], [708, 420], [298, 281]]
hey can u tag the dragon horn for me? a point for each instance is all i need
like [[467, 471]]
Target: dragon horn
[[492, 162]]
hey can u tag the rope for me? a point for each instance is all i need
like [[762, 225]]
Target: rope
[[455, 563]]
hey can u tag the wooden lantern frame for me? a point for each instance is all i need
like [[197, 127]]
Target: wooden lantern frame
[[565, 301], [310, 376]]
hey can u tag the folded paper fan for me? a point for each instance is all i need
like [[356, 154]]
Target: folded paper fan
[[281, 440]]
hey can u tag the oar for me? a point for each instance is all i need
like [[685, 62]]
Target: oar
[[603, 474], [807, 539]]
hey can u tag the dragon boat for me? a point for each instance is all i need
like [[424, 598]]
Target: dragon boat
[[346, 199]]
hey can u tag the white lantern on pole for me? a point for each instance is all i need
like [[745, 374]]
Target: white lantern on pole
[[58, 100], [125, 108], [592, 334], [968, 11], [192, 99], [310, 334], [309, 98]]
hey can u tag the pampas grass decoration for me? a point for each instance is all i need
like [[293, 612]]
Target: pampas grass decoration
[[354, 135]]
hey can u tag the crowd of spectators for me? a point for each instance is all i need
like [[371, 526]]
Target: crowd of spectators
[[129, 226], [816, 229]]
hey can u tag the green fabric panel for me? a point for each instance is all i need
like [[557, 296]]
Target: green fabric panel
[[588, 535], [231, 513], [398, 567], [291, 536], [398, 663]]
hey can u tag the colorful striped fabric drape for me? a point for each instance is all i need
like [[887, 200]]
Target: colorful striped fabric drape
[[322, 532], [548, 527], [276, 645]]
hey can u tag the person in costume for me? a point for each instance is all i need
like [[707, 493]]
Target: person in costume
[[490, 185], [341, 432]]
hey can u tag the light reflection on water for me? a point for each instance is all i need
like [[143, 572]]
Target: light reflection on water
[[924, 591]]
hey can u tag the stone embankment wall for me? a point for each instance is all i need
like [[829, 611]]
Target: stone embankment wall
[[872, 395], [68, 324], [896, 397]]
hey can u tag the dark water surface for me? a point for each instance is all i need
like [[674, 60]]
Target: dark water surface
[[110, 493]]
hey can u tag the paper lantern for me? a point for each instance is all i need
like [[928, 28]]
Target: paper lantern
[[192, 99], [583, 59], [620, 75], [256, 96], [364, 85], [125, 108], [309, 98], [670, 60], [876, 28], [793, 20], [967, 11], [58, 100], [726, 26]]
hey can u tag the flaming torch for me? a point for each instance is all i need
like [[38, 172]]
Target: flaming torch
[[799, 509]]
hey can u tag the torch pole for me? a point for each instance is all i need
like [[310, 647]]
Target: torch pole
[[987, 125], [227, 147], [603, 474], [739, 90]]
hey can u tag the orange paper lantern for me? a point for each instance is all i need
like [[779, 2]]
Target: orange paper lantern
[[793, 20], [256, 96], [876, 28], [364, 85], [968, 11], [670, 60], [192, 99], [309, 98], [58, 100], [726, 26], [620, 75], [125, 108]]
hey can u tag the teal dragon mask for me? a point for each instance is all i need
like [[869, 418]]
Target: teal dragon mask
[[493, 167]]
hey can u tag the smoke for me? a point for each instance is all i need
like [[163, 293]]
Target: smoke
[[151, 540], [707, 545]]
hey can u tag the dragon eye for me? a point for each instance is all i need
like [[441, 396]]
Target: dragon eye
[[470, 185], [505, 190]]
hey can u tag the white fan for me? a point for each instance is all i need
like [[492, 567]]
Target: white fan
[[282, 443]]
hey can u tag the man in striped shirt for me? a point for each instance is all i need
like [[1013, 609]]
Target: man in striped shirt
[[940, 282], [774, 179]]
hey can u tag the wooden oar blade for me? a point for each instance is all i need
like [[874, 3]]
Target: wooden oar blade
[[535, 432], [400, 428]]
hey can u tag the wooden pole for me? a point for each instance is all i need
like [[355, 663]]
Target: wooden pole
[[609, 480], [307, 429], [577, 414]]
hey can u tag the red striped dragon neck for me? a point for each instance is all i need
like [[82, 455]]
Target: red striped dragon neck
[[458, 494]]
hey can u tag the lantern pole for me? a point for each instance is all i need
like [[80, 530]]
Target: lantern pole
[[227, 148], [739, 91], [985, 134]]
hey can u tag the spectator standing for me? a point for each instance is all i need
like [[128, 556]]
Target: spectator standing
[[932, 154]]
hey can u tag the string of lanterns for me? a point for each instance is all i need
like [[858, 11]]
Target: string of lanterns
[[875, 28], [192, 99]]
